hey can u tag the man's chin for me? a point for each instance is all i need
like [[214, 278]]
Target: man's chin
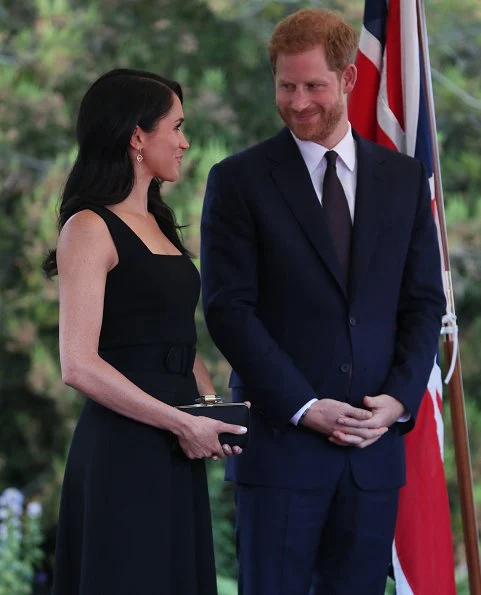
[[309, 136], [313, 133], [303, 131]]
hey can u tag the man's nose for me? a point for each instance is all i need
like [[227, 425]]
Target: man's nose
[[300, 100]]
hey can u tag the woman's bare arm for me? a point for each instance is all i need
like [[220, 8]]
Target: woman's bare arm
[[202, 377], [85, 254]]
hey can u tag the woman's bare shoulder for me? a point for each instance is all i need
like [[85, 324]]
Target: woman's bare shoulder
[[87, 232], [85, 219], [85, 224]]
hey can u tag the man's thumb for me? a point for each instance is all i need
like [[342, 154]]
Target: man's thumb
[[369, 401]]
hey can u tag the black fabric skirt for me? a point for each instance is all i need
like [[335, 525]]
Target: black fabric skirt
[[134, 514]]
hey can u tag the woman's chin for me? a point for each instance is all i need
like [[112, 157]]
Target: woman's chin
[[171, 177]]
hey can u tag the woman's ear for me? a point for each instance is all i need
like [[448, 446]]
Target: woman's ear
[[136, 140]]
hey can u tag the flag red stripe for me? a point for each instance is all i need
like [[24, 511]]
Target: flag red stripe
[[426, 573], [423, 538], [394, 63], [383, 139], [363, 97]]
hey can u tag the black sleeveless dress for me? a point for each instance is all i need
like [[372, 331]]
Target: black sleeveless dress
[[134, 514]]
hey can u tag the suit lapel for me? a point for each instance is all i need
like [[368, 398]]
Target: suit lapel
[[371, 203], [292, 178]]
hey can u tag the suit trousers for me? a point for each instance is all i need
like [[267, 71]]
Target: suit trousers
[[335, 540]]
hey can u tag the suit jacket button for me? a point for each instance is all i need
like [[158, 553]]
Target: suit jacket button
[[345, 368], [352, 321]]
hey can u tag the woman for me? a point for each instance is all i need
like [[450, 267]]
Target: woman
[[134, 515]]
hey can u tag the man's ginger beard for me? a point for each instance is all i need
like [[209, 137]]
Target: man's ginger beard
[[318, 130]]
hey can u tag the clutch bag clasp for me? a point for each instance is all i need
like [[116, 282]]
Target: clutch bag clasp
[[209, 400]]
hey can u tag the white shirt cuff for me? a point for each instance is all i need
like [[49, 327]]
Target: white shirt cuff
[[297, 416]]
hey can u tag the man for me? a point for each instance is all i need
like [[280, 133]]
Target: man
[[322, 288]]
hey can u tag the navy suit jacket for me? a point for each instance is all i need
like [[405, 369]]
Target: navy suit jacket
[[276, 306]]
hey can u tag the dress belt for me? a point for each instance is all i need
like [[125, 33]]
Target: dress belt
[[175, 359], [179, 359]]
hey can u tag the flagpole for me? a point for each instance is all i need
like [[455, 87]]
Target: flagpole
[[456, 395]]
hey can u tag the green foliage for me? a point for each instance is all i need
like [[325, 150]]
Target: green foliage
[[455, 38], [222, 498], [20, 541], [50, 52], [389, 587], [226, 586]]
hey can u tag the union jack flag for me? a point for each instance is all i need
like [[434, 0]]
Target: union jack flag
[[388, 106]]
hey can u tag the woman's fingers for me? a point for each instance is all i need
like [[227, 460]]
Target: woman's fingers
[[225, 428], [231, 451], [204, 441], [227, 450]]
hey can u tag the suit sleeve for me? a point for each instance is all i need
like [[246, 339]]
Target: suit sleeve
[[421, 307], [230, 293]]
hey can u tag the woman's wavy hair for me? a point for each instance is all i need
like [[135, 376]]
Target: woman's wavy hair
[[103, 173]]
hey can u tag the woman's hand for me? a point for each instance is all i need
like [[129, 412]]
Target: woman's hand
[[229, 451], [200, 438], [234, 450]]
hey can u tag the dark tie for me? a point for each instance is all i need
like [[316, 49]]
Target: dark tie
[[335, 206]]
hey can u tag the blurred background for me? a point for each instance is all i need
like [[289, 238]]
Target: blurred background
[[50, 52]]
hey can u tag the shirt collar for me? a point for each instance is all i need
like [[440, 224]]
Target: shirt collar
[[313, 153]]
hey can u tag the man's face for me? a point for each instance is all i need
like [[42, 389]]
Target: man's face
[[310, 97]]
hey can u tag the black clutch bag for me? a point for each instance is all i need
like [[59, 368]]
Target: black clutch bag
[[214, 407]]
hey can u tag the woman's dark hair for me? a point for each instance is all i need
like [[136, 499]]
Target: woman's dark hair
[[103, 173]]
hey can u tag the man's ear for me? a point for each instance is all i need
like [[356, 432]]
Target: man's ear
[[348, 78], [136, 140]]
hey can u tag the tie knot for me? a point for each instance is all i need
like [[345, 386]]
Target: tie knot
[[331, 157]]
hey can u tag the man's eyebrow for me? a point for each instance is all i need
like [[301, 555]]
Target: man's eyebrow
[[314, 81]]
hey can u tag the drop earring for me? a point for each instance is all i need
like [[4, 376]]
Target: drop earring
[[139, 156]]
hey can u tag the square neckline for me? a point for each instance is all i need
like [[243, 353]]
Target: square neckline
[[139, 238]]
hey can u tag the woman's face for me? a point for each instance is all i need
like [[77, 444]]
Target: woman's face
[[163, 148]]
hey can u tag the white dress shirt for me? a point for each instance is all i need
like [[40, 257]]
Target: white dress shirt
[[346, 166]]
